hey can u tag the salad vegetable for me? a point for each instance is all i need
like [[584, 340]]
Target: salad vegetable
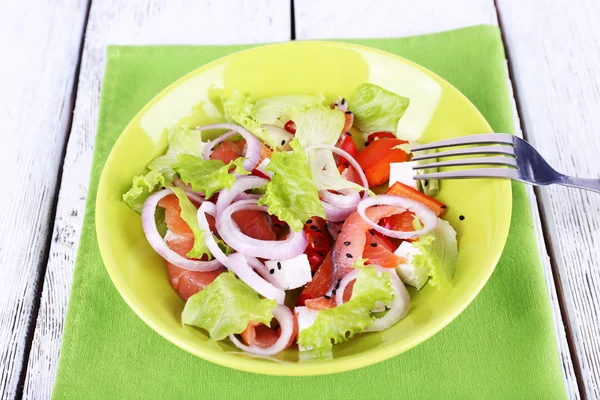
[[271, 231]]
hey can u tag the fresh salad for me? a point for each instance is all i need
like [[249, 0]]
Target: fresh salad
[[273, 233]]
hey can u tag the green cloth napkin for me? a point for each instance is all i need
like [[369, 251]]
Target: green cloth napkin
[[502, 346]]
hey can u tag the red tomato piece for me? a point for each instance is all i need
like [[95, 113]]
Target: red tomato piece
[[349, 147], [400, 189], [380, 135], [290, 126], [376, 158]]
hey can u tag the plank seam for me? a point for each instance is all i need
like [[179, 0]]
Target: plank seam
[[31, 326], [545, 226]]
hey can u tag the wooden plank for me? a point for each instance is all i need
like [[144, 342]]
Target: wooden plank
[[131, 22], [41, 45], [554, 48], [369, 19]]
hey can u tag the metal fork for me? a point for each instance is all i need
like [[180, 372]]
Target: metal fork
[[523, 163]]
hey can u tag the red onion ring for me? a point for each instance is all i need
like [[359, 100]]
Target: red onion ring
[[253, 145], [158, 243], [347, 199], [427, 217], [286, 322], [336, 214], [397, 309], [240, 266], [292, 246], [210, 145], [243, 183], [198, 198]]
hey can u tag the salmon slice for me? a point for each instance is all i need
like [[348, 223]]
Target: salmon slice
[[187, 283], [173, 217], [380, 251], [350, 244], [257, 334], [228, 150], [255, 224]]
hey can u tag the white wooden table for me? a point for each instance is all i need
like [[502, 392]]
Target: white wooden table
[[50, 78]]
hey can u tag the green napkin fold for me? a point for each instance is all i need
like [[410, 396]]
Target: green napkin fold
[[502, 346]]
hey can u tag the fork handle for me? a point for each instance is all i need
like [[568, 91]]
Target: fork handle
[[581, 183]]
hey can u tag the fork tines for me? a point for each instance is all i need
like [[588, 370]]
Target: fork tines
[[498, 144]]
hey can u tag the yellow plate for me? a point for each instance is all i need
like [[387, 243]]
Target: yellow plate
[[334, 69]]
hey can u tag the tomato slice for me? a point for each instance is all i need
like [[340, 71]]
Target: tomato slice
[[290, 126], [320, 282], [349, 147], [380, 135], [400, 189], [376, 158]]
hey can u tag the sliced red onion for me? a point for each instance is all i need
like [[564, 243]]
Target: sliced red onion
[[336, 214], [399, 306], [209, 208], [263, 271], [427, 217], [158, 243], [286, 323], [243, 183], [238, 264], [211, 145], [347, 156], [291, 247], [253, 145], [397, 309], [347, 199], [196, 197], [247, 196]]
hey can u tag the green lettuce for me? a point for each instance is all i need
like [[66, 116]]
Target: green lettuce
[[241, 109], [143, 186], [207, 176], [277, 110], [181, 141], [376, 109], [438, 250], [291, 194], [189, 215], [338, 324], [226, 307], [322, 126]]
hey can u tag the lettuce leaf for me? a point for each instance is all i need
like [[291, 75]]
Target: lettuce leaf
[[322, 126], [207, 176], [277, 110], [438, 250], [376, 109], [241, 109], [143, 186], [181, 141], [338, 324], [291, 194], [189, 215], [226, 306]]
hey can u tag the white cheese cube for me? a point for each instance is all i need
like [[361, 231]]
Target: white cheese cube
[[306, 317], [292, 273], [407, 272], [402, 172], [262, 165]]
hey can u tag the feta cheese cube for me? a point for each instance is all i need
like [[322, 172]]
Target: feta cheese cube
[[262, 165], [402, 172], [306, 317], [407, 272], [292, 273]]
